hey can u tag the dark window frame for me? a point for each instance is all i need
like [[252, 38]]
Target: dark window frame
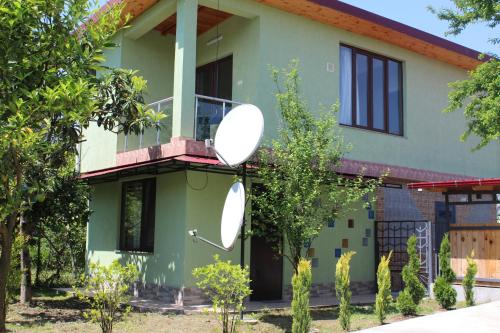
[[148, 219], [370, 56]]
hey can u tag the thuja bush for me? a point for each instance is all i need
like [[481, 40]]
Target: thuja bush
[[384, 297], [414, 290], [469, 280], [106, 290], [301, 282], [443, 289], [226, 285], [342, 289]]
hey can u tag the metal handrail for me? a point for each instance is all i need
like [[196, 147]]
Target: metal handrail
[[157, 105], [224, 102], [218, 99]]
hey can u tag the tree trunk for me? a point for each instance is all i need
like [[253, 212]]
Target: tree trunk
[[6, 246], [25, 293], [38, 260]]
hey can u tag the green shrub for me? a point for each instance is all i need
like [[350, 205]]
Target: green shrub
[[469, 280], [413, 287], [405, 303], [226, 285], [443, 290], [384, 297], [342, 289], [301, 283], [106, 289]]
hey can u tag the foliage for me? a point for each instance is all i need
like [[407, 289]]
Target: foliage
[[413, 287], [443, 290], [342, 289], [49, 92], [469, 12], [405, 303], [300, 189], [301, 282], [14, 278], [469, 280], [480, 93], [383, 298], [105, 288], [226, 286], [60, 224]]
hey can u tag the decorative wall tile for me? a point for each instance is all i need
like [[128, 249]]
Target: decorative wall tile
[[315, 262], [345, 243]]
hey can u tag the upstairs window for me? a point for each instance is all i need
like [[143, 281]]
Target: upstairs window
[[138, 216], [371, 94]]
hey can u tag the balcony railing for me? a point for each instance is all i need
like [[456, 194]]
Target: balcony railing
[[209, 112], [152, 136]]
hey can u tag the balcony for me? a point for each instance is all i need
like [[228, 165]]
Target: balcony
[[209, 112]]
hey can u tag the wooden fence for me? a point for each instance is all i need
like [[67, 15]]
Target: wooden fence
[[485, 241]]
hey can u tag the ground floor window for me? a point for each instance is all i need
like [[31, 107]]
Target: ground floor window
[[138, 215]]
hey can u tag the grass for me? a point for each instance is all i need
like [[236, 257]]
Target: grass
[[56, 312]]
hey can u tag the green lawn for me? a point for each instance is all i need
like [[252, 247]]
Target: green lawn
[[61, 313]]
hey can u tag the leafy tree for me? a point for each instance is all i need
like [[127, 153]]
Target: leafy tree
[[301, 283], [383, 298], [48, 93], [300, 189], [443, 290], [342, 289], [480, 93], [106, 289], [469, 280], [226, 286], [414, 290], [60, 223]]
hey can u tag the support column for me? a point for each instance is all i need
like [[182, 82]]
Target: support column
[[185, 69]]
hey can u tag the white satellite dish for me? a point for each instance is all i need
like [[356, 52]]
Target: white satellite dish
[[232, 215], [239, 134]]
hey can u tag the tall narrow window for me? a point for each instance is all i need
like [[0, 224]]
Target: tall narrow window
[[345, 85], [361, 90], [138, 217], [371, 96], [378, 99], [394, 97]]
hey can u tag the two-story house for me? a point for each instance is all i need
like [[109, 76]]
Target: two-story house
[[203, 57]]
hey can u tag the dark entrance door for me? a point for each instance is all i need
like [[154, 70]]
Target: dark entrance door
[[213, 80], [216, 79], [266, 271]]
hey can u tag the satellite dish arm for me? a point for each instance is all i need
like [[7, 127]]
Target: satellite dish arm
[[194, 234], [209, 145]]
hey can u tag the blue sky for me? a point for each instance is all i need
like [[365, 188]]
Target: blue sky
[[415, 14]]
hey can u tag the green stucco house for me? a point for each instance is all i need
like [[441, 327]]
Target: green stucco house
[[203, 57]]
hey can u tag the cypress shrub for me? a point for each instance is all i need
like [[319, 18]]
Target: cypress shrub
[[414, 289], [443, 290], [301, 282], [342, 289], [384, 297], [469, 280]]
